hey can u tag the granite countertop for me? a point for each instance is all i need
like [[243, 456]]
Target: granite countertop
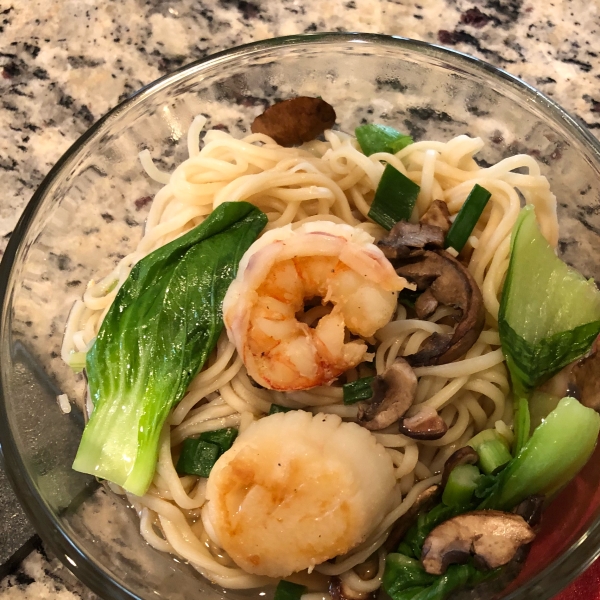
[[64, 63]]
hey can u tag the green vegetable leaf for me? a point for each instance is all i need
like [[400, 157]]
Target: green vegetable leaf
[[405, 579], [549, 313], [426, 523], [160, 329], [467, 218], [381, 138], [358, 390], [395, 198], [402, 574]]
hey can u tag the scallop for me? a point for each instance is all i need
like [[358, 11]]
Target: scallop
[[296, 490]]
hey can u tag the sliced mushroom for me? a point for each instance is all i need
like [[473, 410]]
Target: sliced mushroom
[[426, 304], [438, 215], [424, 502], [393, 394], [451, 284], [462, 456], [295, 121], [411, 239], [586, 377], [425, 425], [338, 590], [531, 509], [490, 536]]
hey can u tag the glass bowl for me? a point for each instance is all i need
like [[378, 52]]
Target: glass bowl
[[90, 210]]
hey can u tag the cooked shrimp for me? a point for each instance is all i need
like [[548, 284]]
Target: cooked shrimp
[[282, 270], [297, 490]]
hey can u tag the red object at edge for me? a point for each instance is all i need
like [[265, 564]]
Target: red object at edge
[[585, 587]]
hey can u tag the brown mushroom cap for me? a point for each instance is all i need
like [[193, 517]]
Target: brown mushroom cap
[[393, 394], [531, 509], [462, 456], [451, 284], [490, 536], [437, 214], [425, 501], [426, 304], [585, 374], [295, 121], [411, 239], [425, 425]]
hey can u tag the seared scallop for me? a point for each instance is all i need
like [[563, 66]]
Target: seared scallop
[[296, 490]]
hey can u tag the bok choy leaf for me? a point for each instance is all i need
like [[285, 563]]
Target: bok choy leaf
[[557, 450], [160, 329], [549, 313], [554, 454]]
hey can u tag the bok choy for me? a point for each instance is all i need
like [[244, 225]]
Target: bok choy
[[557, 450], [549, 313], [159, 331]]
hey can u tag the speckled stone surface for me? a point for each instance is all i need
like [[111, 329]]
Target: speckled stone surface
[[64, 63]]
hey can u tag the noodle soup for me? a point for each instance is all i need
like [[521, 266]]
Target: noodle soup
[[323, 188]]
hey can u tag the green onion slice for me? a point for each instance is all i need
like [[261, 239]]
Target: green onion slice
[[198, 456], [467, 218], [461, 485], [493, 455], [395, 198], [493, 450], [381, 138]]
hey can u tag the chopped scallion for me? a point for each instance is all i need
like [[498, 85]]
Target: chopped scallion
[[286, 590], [358, 390], [493, 455], [197, 457], [223, 438], [395, 198], [492, 449], [381, 138], [461, 485], [467, 218]]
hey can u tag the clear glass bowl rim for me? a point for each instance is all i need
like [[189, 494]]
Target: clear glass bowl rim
[[573, 561]]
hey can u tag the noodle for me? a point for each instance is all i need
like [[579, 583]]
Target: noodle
[[333, 181]]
